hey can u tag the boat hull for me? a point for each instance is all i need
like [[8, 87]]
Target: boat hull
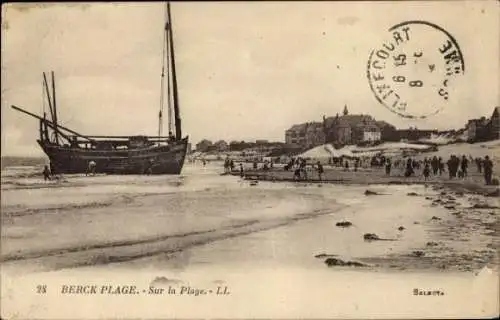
[[165, 159]]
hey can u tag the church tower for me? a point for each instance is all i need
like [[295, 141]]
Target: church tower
[[345, 110]]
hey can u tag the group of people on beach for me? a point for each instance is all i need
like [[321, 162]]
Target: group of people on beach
[[228, 165], [436, 164], [457, 167], [49, 171], [299, 167], [346, 163]]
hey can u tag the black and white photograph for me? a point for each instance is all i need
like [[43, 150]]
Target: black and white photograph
[[237, 159]]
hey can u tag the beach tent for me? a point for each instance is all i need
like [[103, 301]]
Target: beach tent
[[345, 151], [318, 152], [327, 151]]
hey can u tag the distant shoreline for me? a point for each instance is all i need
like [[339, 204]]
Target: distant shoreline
[[9, 161]]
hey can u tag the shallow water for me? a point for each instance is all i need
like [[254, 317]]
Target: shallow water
[[197, 218], [205, 231]]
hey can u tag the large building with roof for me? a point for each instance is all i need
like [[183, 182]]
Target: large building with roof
[[484, 129], [353, 128], [306, 135], [341, 130], [494, 125]]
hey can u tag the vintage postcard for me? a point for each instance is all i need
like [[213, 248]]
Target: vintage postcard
[[235, 160]]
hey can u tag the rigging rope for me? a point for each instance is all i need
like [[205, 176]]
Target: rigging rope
[[167, 44], [162, 88], [43, 98]]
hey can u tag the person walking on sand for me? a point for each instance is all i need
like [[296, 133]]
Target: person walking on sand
[[415, 164], [303, 168], [488, 170], [46, 173], [479, 164], [388, 166], [454, 164], [464, 165], [441, 165], [435, 165], [296, 174], [427, 171], [149, 170], [320, 170], [265, 167], [450, 167], [241, 170], [409, 168], [91, 168]]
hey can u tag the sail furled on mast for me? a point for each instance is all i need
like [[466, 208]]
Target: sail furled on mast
[[167, 79], [162, 86], [56, 129], [175, 94], [169, 86]]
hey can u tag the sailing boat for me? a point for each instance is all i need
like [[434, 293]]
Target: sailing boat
[[72, 152]]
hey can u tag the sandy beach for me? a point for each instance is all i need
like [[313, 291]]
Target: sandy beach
[[203, 230], [432, 216]]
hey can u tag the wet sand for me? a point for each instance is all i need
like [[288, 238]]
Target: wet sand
[[464, 236], [267, 242], [438, 224]]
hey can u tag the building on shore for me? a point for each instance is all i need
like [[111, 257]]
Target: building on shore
[[221, 146], [494, 126], [362, 129], [204, 145], [477, 129], [414, 134], [388, 132], [484, 129], [352, 128], [306, 135], [258, 145], [239, 145]]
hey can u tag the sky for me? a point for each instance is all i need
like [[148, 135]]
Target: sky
[[246, 70]]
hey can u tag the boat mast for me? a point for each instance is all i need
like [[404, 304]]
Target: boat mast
[[55, 108], [178, 131], [169, 94], [165, 58], [49, 99], [51, 109], [162, 86]]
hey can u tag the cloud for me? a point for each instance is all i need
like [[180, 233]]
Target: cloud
[[244, 69]]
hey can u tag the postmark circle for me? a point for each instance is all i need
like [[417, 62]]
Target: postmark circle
[[412, 72]]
